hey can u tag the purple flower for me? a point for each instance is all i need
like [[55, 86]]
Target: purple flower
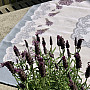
[[38, 38], [79, 43], [23, 54], [16, 51], [26, 43], [60, 42], [43, 41], [72, 85], [26, 67], [37, 50], [17, 70], [48, 23], [53, 14], [40, 59], [45, 50], [9, 65], [78, 60], [67, 44], [65, 64], [68, 53], [75, 41], [65, 2], [42, 69], [87, 73], [51, 40], [29, 59], [22, 75]]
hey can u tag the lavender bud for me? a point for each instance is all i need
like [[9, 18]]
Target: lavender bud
[[23, 54], [40, 59], [16, 51], [79, 43], [17, 70], [72, 85], [51, 40], [56, 66], [9, 65], [43, 42], [68, 53], [29, 59], [42, 69], [22, 75], [65, 64], [38, 38], [87, 73], [37, 50], [45, 50], [26, 43], [67, 44], [26, 67], [17, 61], [75, 41], [78, 60], [60, 42]]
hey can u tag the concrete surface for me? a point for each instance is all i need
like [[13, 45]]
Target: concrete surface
[[9, 20]]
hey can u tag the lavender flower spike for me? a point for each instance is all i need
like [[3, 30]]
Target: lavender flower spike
[[26, 43], [60, 42], [9, 65], [29, 59], [75, 41], [79, 43], [51, 40], [72, 85], [43, 41], [78, 60], [67, 44], [87, 73], [42, 69], [16, 51], [38, 38], [22, 75], [65, 64]]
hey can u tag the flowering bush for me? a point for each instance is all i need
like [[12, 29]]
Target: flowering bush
[[37, 70]]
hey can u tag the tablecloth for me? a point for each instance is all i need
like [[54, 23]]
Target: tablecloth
[[67, 18]]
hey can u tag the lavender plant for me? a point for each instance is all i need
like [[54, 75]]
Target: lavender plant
[[40, 70]]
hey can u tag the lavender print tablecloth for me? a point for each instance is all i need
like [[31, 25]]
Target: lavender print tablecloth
[[67, 18]]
